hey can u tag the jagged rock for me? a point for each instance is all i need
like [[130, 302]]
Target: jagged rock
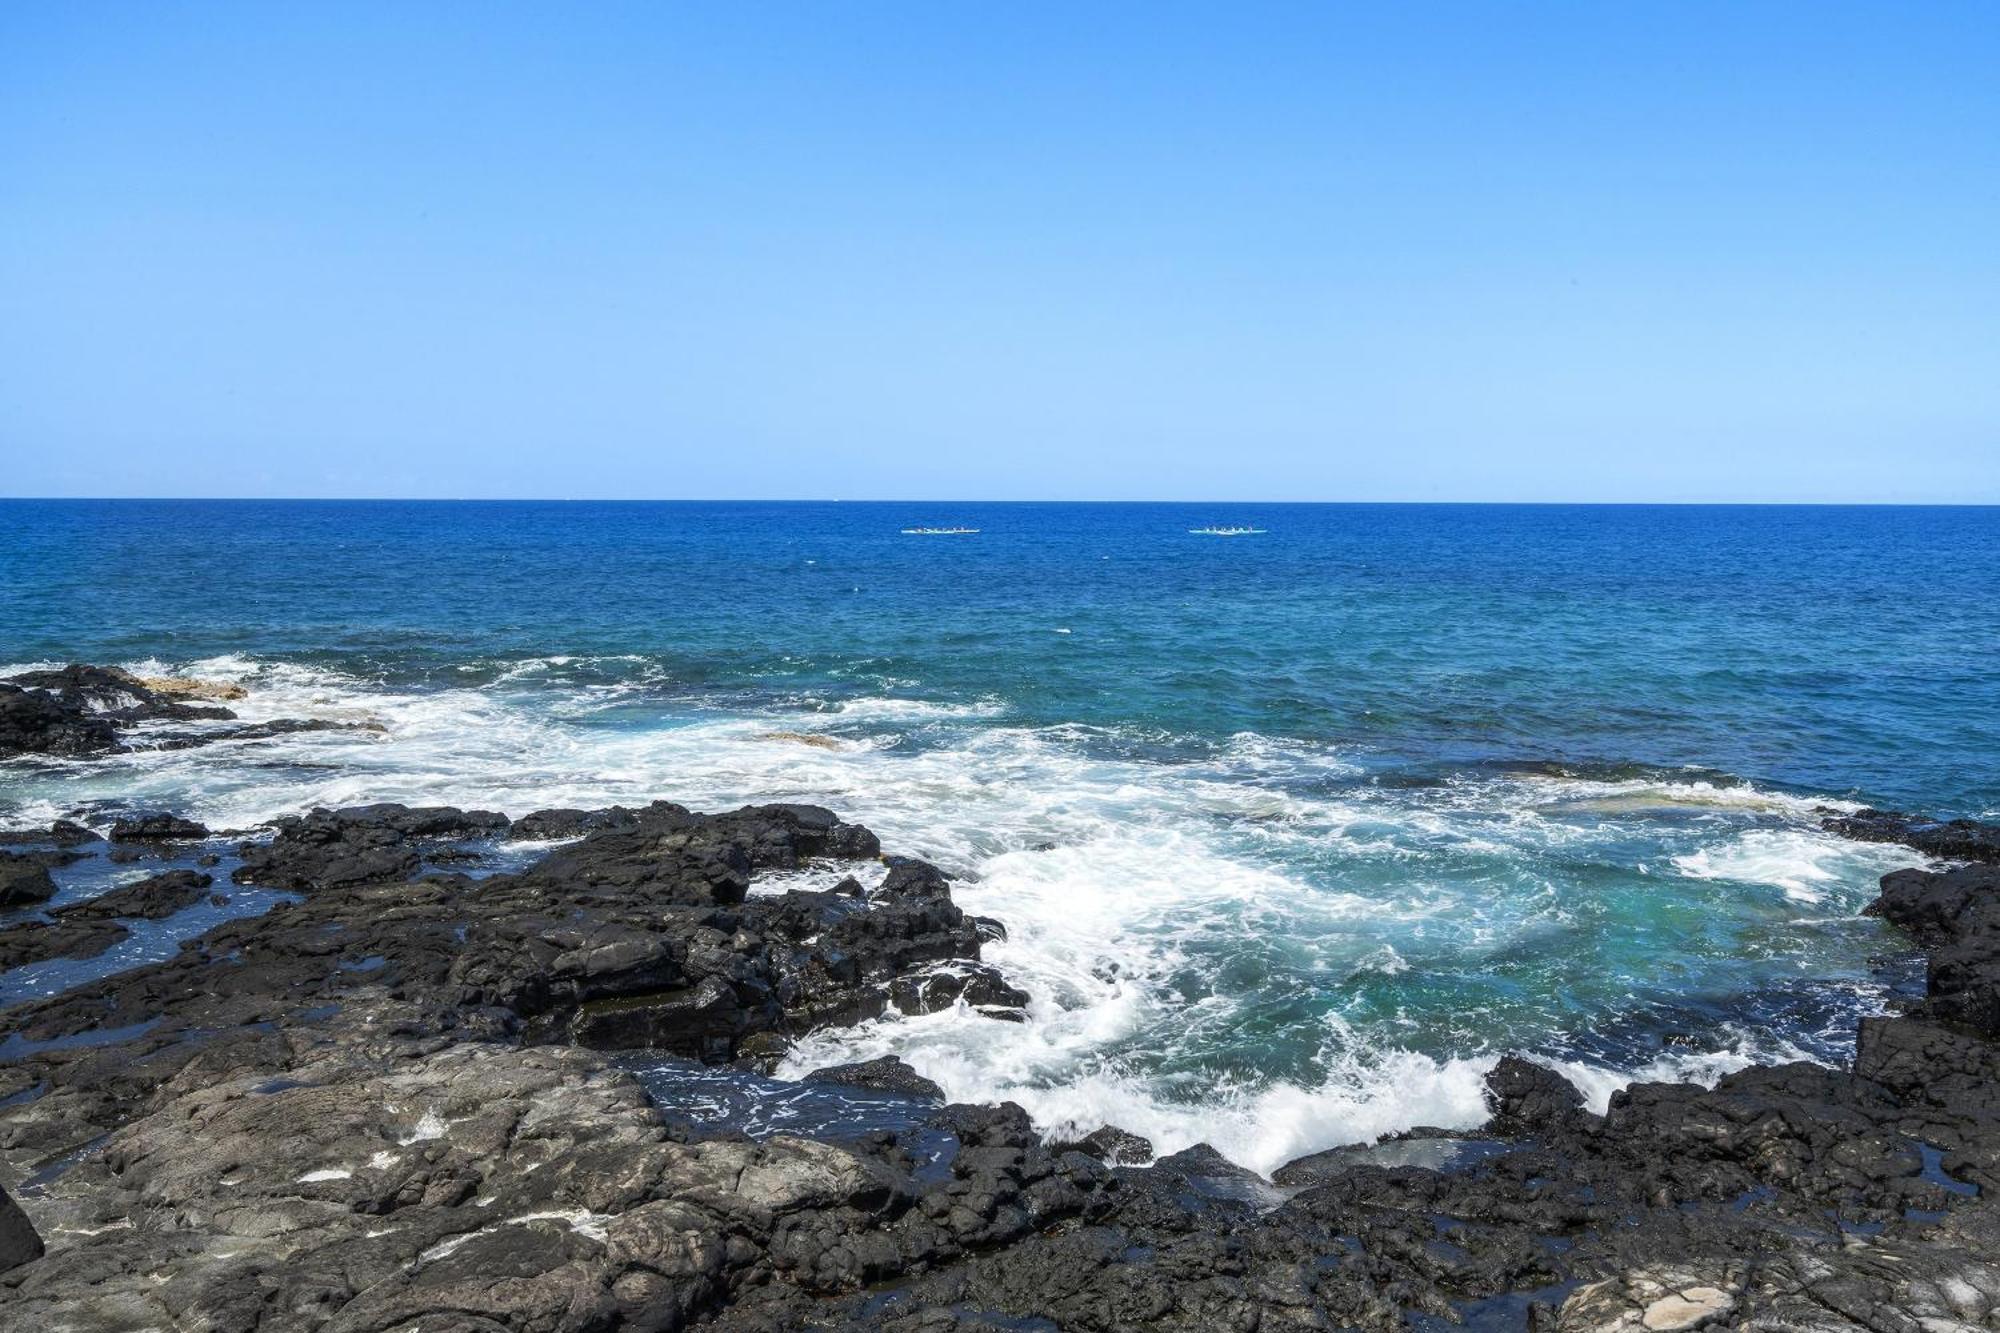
[[1119, 1147], [702, 1021], [79, 710], [1955, 914], [157, 827], [913, 880], [1529, 1099], [884, 1074], [24, 880], [632, 937], [1933, 906], [978, 985]]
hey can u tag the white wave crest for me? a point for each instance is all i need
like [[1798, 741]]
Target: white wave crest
[[1805, 863]]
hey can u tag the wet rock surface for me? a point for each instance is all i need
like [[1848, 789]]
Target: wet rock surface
[[18, 1241], [35, 722], [40, 941], [377, 1108], [152, 899], [24, 879]]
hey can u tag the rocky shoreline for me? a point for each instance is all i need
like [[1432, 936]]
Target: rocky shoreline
[[415, 1093]]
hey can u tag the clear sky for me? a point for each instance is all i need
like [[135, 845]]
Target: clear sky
[[1623, 251]]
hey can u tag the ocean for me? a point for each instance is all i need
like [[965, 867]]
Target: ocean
[[1294, 832]]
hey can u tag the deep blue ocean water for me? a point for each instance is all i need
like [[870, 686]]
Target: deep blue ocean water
[[1295, 831]]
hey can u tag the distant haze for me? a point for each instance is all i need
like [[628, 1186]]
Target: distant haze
[[1651, 252]]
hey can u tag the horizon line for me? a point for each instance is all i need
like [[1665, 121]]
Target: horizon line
[[964, 500]]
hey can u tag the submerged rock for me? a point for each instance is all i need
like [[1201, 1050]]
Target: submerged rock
[[257, 731], [185, 687], [813, 739]]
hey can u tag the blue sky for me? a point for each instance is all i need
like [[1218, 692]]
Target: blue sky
[[1485, 252]]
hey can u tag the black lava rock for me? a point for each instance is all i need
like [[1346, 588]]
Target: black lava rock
[[157, 827], [18, 1242], [150, 899], [1530, 1099], [40, 941], [62, 833], [1951, 840], [34, 722], [1119, 1147], [550, 825], [359, 845], [24, 880], [885, 1074]]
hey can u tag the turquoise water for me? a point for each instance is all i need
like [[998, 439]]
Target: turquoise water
[[1295, 831]]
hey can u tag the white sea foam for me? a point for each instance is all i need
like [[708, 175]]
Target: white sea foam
[[1367, 1092], [1151, 901], [911, 710], [1805, 863]]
